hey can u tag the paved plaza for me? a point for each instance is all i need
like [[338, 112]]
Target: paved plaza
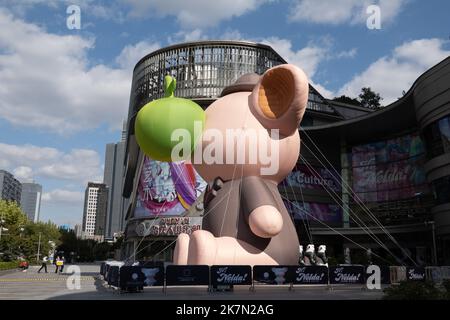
[[42, 286]]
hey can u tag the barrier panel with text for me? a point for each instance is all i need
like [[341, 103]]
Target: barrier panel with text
[[347, 275], [433, 274], [195, 275], [445, 272], [139, 277], [310, 274], [398, 274], [113, 276], [103, 268], [231, 275], [276, 275], [415, 273]]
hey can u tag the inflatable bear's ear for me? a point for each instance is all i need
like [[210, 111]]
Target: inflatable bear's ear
[[279, 98]]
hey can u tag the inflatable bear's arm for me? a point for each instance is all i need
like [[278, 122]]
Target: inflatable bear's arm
[[260, 208]]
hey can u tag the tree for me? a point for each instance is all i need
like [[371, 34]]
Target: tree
[[13, 219], [370, 99], [348, 100], [22, 237]]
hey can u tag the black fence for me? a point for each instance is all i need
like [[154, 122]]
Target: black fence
[[132, 278]]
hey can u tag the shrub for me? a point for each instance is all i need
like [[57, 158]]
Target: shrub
[[9, 265], [413, 290], [446, 286]]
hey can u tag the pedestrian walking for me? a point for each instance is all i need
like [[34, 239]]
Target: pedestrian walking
[[44, 264], [63, 260], [58, 264]]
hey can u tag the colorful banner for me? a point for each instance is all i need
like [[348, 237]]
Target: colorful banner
[[316, 178], [400, 148], [314, 211], [389, 170], [167, 188]]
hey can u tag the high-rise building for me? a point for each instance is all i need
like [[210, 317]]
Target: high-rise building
[[30, 200], [95, 205], [113, 178], [10, 187], [78, 231]]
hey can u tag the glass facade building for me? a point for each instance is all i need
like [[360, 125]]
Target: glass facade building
[[363, 176]]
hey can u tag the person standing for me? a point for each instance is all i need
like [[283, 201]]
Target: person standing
[[63, 261], [44, 264], [58, 263]]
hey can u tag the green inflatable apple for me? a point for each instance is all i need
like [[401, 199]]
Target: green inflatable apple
[[158, 119]]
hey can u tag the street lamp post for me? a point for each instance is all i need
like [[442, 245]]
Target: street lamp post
[[2, 221], [39, 248]]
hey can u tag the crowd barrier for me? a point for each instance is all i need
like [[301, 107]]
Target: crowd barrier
[[445, 272], [132, 278]]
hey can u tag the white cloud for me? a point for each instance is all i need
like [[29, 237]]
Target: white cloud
[[187, 36], [392, 74], [131, 54], [344, 11], [23, 173], [307, 58], [80, 164], [347, 54], [30, 161], [47, 81], [61, 196], [194, 13]]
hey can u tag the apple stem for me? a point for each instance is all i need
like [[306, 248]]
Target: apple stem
[[169, 86]]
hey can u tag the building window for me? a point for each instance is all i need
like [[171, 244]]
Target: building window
[[437, 137], [441, 190]]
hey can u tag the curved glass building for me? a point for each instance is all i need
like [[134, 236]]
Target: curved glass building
[[365, 179]]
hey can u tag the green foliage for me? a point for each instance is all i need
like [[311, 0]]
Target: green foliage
[[9, 265], [370, 99], [101, 251], [414, 290], [11, 213], [22, 237], [446, 286], [367, 99], [348, 100], [85, 250]]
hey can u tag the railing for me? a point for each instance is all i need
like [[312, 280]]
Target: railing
[[202, 69], [138, 277]]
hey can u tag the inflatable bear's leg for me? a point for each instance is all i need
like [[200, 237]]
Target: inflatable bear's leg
[[205, 249], [202, 248], [180, 254]]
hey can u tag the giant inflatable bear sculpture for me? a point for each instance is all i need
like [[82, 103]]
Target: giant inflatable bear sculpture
[[245, 220]]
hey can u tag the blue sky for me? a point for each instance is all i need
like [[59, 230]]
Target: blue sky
[[64, 93]]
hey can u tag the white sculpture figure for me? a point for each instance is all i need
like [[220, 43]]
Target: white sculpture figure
[[321, 257], [310, 255], [301, 260], [347, 258]]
